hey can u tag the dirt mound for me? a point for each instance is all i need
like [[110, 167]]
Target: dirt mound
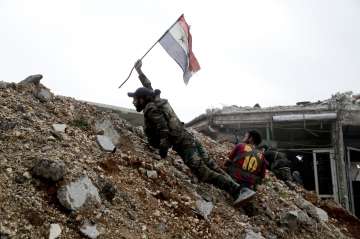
[[127, 192]]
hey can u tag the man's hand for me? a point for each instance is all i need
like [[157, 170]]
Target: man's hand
[[138, 65]]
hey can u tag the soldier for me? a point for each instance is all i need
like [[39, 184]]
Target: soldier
[[279, 164], [247, 164], [164, 131]]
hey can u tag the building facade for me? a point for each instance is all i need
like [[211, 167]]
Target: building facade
[[321, 139]]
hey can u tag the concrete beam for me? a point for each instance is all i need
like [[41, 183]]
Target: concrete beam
[[301, 117]]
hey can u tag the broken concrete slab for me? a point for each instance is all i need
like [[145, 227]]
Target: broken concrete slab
[[89, 230], [74, 195], [105, 143], [315, 212], [55, 231], [151, 174], [250, 234], [43, 95], [32, 79], [321, 215], [290, 219], [49, 169], [59, 128], [204, 208], [107, 129]]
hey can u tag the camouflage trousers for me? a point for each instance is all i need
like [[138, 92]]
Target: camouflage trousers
[[197, 164]]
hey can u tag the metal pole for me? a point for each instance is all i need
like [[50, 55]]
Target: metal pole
[[132, 69]]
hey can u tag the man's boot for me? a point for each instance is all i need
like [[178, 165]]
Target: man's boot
[[244, 195]]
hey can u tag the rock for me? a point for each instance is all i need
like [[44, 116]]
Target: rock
[[7, 124], [89, 230], [250, 234], [74, 195], [162, 227], [20, 179], [27, 175], [151, 174], [3, 84], [49, 169], [43, 95], [270, 213], [107, 129], [321, 215], [60, 128], [32, 79], [105, 143], [315, 212], [55, 231], [204, 208], [4, 235], [290, 219]]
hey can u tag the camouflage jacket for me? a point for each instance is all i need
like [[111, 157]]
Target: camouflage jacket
[[161, 124], [276, 159], [163, 127]]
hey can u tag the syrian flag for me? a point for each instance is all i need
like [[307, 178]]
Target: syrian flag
[[177, 42]]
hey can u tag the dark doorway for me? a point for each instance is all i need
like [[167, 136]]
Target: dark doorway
[[302, 161], [323, 166]]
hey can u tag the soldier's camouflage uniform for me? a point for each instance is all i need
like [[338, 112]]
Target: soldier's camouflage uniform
[[279, 164], [164, 129]]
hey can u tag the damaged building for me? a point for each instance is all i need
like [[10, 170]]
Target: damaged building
[[321, 139]]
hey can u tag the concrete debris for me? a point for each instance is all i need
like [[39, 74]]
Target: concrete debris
[[116, 192], [293, 219], [151, 174], [315, 212], [290, 219], [49, 169], [43, 95], [89, 230], [108, 130], [3, 84], [105, 143], [55, 231], [32, 79], [250, 234], [74, 195], [60, 128], [204, 208], [344, 99], [321, 215]]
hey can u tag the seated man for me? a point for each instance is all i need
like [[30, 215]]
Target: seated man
[[247, 164], [164, 131]]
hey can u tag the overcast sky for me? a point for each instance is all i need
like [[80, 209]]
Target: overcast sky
[[271, 52]]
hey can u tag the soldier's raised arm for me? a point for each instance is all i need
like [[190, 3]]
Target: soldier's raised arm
[[142, 77]]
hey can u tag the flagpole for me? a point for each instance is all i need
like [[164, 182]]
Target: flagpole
[[132, 69]]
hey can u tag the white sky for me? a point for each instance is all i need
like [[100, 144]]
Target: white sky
[[271, 52]]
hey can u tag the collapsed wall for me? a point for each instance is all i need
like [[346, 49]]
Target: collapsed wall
[[71, 170]]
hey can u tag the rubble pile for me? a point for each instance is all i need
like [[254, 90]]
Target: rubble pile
[[69, 170], [345, 100]]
